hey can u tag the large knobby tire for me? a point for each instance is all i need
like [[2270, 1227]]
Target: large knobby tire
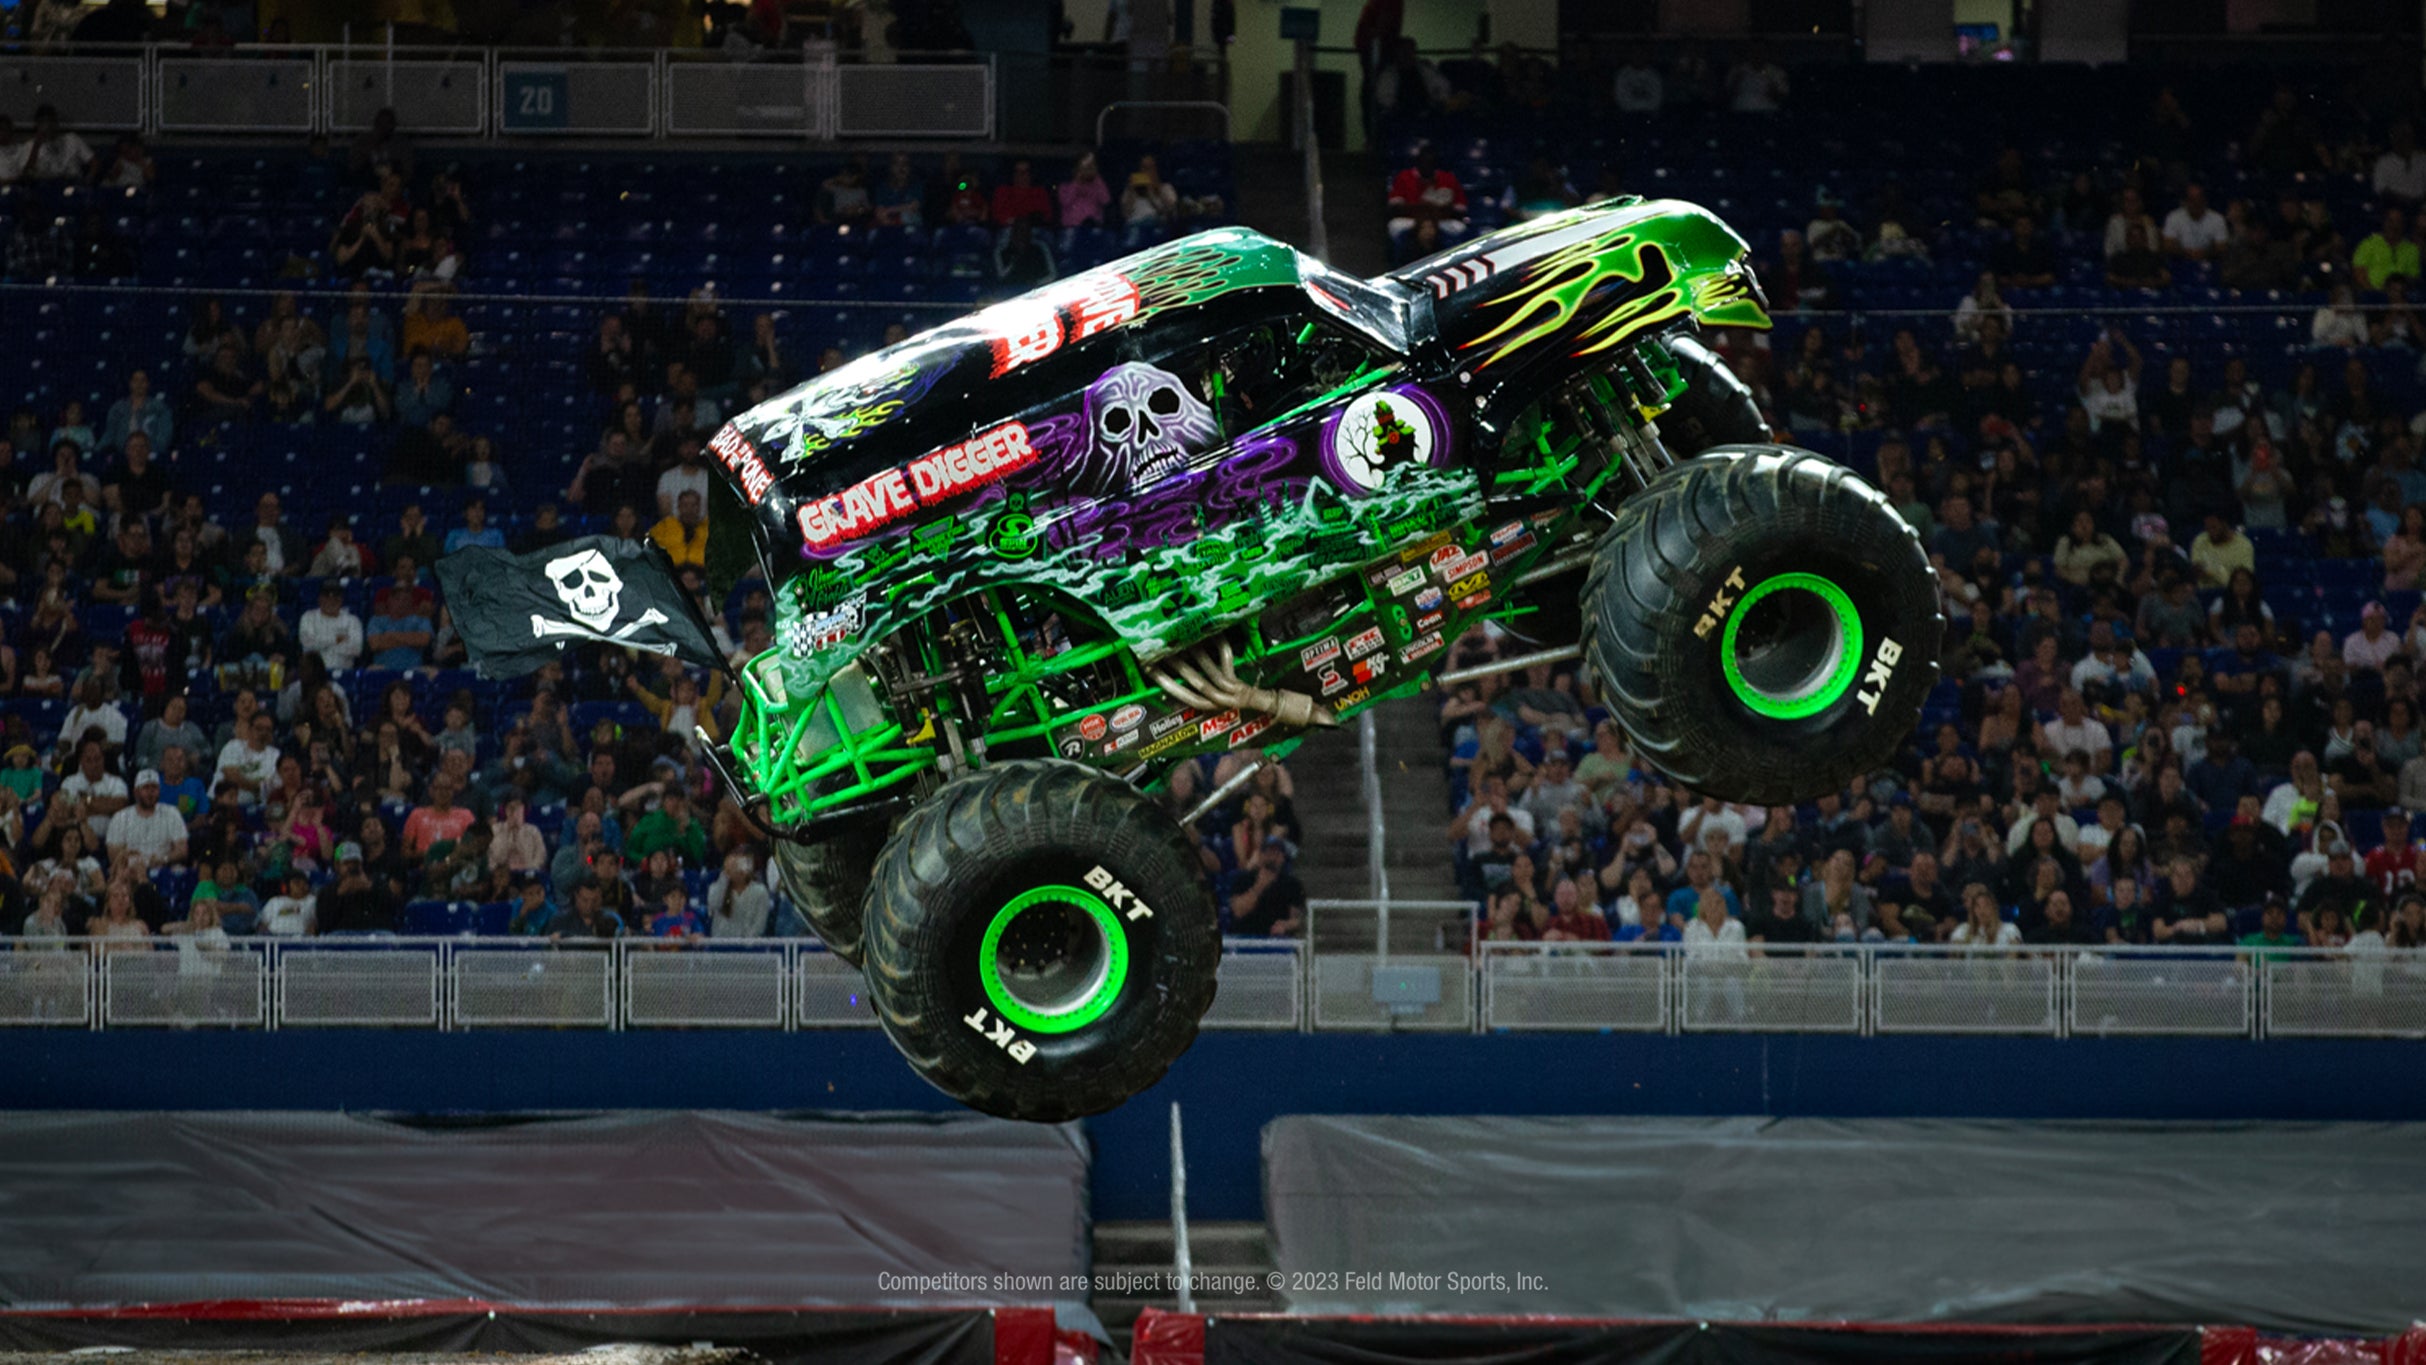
[[1040, 944], [1716, 408], [1765, 627], [827, 881]]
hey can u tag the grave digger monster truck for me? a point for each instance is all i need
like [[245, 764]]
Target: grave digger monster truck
[[1216, 494]]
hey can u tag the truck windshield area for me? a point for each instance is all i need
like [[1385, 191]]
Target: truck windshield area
[[1384, 314]]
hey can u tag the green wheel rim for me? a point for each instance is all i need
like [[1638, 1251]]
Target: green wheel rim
[[1806, 676], [1078, 1005]]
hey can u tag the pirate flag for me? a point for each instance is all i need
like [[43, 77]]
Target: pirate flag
[[515, 612]]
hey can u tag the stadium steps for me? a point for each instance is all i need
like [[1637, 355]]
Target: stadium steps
[[1272, 199], [1333, 862], [1236, 1253]]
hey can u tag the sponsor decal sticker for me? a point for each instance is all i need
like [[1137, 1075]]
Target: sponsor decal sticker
[[1421, 647], [1246, 733], [1168, 742], [737, 455], [1428, 545], [1126, 718], [1332, 681], [1093, 728], [1164, 725], [1217, 725], [1428, 620], [1366, 670], [1402, 584], [1505, 534], [1315, 655], [1469, 584], [1503, 553], [1428, 600], [1462, 566], [1445, 556], [1364, 642], [824, 630], [1479, 599]]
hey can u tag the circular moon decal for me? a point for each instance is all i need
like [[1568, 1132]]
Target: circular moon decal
[[1382, 432]]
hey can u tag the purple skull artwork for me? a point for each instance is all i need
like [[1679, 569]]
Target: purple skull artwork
[[1142, 424]]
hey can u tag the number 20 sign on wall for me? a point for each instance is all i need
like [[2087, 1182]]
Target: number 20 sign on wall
[[534, 100]]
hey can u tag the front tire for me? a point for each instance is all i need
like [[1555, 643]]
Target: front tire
[[1039, 943], [1765, 627]]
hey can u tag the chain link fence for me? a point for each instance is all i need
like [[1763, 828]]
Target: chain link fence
[[1574, 986]]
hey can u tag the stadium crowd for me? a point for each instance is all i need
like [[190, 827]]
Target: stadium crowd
[[2180, 701], [219, 721]]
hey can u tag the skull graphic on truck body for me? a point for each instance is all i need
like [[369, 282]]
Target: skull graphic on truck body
[[1142, 424], [588, 586]]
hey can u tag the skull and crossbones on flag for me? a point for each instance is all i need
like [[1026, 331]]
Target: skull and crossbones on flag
[[592, 592], [515, 612]]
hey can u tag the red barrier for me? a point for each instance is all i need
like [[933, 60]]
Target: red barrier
[[1167, 1338], [2247, 1346]]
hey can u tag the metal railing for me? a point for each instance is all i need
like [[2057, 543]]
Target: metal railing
[[383, 981], [504, 92], [377, 981]]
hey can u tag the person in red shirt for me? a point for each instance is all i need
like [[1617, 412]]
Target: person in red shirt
[[1022, 198], [1425, 192], [440, 819], [1578, 920], [2394, 867]]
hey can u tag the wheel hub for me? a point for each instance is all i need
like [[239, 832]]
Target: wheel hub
[[1053, 959]]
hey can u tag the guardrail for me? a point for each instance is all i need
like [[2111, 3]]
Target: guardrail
[[451, 984], [640, 93], [377, 981]]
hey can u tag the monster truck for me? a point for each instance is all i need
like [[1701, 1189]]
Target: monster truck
[[1212, 496]]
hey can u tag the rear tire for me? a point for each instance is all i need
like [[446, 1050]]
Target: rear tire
[[1040, 944], [827, 880], [1765, 627], [1716, 408]]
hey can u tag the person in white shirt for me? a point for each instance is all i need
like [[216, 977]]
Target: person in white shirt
[[2074, 728], [2371, 646], [2131, 212], [1694, 825], [2046, 809], [1712, 934], [1639, 88], [738, 905], [146, 830], [331, 632], [16, 154], [91, 712], [199, 935], [246, 764], [1757, 85], [2195, 231], [1983, 926], [99, 791], [57, 153], [294, 914], [2400, 173]]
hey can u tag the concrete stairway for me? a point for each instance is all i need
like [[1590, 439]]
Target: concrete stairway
[[1230, 1262]]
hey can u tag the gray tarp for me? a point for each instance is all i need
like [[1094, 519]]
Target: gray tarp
[[644, 1209], [2293, 1227]]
